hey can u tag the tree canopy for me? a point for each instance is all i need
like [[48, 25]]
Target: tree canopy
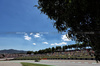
[[29, 52], [60, 49], [81, 16]]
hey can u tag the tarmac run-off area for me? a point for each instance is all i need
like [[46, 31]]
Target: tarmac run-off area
[[53, 62]]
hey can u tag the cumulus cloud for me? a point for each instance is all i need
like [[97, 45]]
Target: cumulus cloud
[[31, 33], [52, 44], [34, 43], [45, 42], [64, 38], [62, 43], [27, 37], [37, 35]]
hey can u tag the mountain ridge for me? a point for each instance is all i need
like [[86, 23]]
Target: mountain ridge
[[11, 51]]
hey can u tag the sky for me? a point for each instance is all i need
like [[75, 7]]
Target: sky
[[24, 27]]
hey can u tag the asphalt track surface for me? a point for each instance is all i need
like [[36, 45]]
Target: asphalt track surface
[[53, 62], [4, 63]]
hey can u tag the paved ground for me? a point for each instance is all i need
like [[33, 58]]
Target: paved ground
[[53, 62], [9, 64], [70, 63]]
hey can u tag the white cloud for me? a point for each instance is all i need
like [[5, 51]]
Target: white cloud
[[27, 38], [31, 33], [37, 35], [52, 44], [62, 43], [45, 42], [64, 38], [34, 43]]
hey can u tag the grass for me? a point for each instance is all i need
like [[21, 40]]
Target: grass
[[32, 64]]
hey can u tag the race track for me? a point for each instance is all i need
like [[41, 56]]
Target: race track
[[53, 62]]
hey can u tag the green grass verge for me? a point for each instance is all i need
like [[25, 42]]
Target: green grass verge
[[32, 64]]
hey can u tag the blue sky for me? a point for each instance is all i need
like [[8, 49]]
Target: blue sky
[[23, 27]]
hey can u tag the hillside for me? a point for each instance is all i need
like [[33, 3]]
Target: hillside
[[11, 51]]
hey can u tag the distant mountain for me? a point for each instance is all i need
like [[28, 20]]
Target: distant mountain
[[11, 51]]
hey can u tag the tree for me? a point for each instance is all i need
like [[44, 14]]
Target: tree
[[69, 46], [40, 51], [53, 49], [30, 52], [58, 48], [84, 46], [66, 47], [80, 46], [48, 50], [77, 46], [63, 48], [81, 16], [36, 52]]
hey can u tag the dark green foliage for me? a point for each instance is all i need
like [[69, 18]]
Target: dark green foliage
[[63, 48], [58, 48], [81, 16], [53, 49], [36, 52], [30, 52]]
